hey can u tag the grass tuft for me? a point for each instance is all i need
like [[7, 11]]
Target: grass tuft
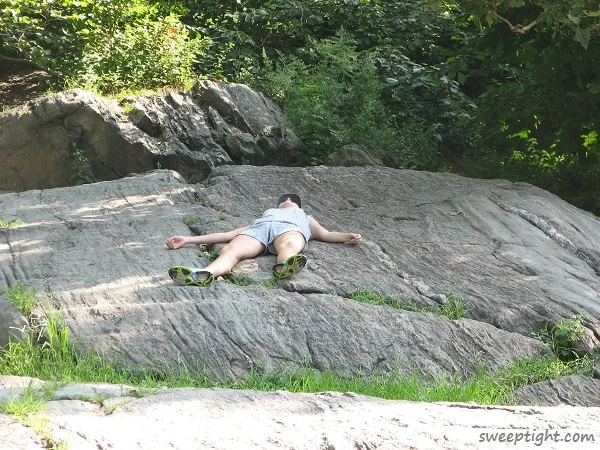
[[24, 299], [455, 307], [243, 280], [190, 220], [10, 223]]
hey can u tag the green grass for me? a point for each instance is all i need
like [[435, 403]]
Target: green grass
[[529, 370], [10, 224], [212, 254], [394, 385], [31, 401], [190, 220], [453, 308], [24, 299], [49, 353]]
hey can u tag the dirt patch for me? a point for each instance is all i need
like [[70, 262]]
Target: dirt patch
[[17, 88]]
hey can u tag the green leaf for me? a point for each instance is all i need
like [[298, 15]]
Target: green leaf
[[583, 37]]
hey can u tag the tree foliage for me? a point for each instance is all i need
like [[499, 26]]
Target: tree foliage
[[577, 19], [497, 88], [538, 96], [112, 44], [335, 100]]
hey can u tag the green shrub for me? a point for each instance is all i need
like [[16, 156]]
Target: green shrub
[[81, 167], [143, 54], [562, 337], [332, 97]]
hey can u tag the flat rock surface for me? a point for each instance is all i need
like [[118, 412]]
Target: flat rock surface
[[102, 417], [229, 419], [518, 255]]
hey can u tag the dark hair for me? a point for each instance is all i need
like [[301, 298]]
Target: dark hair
[[293, 197]]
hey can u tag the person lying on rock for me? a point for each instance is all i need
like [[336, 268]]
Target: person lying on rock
[[283, 231]]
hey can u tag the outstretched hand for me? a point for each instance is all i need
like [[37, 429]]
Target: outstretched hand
[[354, 238], [176, 242]]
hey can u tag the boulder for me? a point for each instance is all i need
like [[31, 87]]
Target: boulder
[[259, 135], [75, 137], [517, 255], [573, 390]]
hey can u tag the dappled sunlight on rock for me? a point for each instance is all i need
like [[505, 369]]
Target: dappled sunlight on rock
[[99, 251]]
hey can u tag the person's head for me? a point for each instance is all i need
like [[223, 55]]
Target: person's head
[[289, 201]]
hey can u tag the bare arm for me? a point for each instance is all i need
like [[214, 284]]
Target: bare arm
[[211, 238], [321, 234]]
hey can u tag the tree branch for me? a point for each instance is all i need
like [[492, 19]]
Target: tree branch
[[519, 29]]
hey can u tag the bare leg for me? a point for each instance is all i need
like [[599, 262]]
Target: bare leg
[[288, 244], [240, 247]]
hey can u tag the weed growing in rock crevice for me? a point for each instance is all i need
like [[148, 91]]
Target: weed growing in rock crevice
[[82, 171], [562, 337], [455, 306], [10, 223]]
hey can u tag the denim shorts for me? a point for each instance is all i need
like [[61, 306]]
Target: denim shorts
[[267, 232]]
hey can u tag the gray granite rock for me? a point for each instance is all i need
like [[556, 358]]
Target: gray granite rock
[[74, 137], [99, 251], [573, 390]]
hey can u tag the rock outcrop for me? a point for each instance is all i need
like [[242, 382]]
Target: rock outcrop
[[99, 251], [574, 390], [75, 137]]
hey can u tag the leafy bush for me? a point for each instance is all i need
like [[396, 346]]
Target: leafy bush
[[331, 97], [146, 54], [105, 45], [562, 337]]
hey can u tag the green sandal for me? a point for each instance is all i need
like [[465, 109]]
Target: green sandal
[[185, 276], [293, 265]]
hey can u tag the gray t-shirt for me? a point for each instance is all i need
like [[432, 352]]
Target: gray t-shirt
[[296, 217]]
